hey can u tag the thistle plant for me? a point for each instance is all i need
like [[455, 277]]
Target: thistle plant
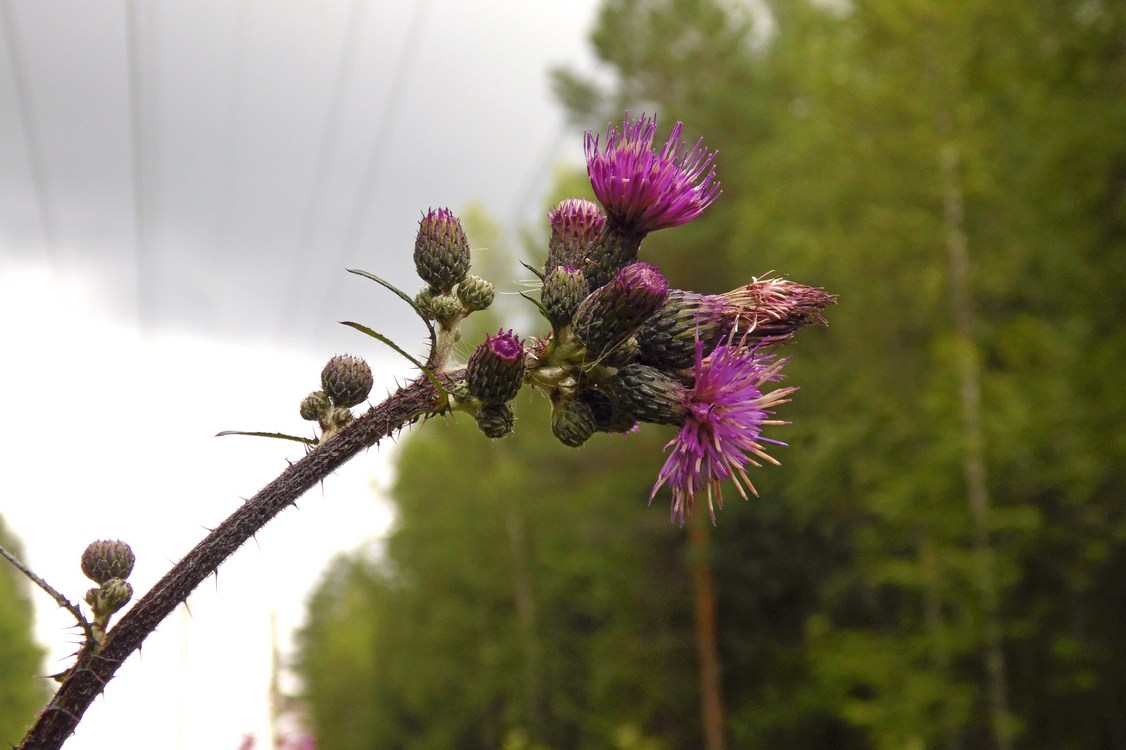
[[619, 347]]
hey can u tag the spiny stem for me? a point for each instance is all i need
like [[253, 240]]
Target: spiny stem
[[96, 666], [58, 597]]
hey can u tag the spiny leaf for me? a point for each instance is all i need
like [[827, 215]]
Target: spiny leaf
[[533, 269], [403, 296], [278, 435], [537, 303], [380, 337]]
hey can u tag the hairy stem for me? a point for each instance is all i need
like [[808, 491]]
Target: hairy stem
[[96, 665]]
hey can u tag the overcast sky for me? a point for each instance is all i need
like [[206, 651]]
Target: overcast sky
[[182, 183]]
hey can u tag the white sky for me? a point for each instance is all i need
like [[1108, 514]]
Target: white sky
[[121, 359]]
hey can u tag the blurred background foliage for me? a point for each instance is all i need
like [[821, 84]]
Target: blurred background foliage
[[939, 562], [21, 659]]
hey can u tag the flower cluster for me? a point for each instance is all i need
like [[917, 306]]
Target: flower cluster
[[627, 348], [624, 346]]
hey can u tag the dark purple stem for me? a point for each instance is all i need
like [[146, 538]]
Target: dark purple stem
[[94, 668]]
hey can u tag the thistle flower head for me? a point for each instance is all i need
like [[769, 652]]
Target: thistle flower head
[[769, 310], [725, 411], [642, 190], [777, 308]]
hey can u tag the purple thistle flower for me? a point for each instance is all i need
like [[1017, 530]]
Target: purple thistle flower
[[726, 410], [643, 191]]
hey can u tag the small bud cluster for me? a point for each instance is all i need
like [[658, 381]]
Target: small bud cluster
[[345, 382], [442, 258], [107, 563], [494, 374]]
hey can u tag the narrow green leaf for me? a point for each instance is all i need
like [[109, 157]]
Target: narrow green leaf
[[403, 296], [533, 269], [380, 337], [278, 435], [537, 303]]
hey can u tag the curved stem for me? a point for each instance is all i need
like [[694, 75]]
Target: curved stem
[[58, 597], [96, 665]]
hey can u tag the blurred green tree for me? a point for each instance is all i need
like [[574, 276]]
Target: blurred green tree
[[22, 689], [937, 563]]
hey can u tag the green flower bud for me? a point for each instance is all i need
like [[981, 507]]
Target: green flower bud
[[459, 390], [424, 301], [572, 422], [495, 371], [475, 293], [563, 290], [105, 559], [347, 380], [441, 250], [608, 416], [447, 308], [495, 420], [112, 596], [650, 395], [613, 313], [314, 406]]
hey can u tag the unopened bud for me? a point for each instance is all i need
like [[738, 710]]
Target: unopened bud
[[423, 301], [347, 380], [650, 395], [475, 293], [495, 371], [495, 420], [446, 308], [572, 422], [576, 225], [105, 559], [614, 312], [314, 406], [113, 595], [441, 250], [563, 290], [608, 416]]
